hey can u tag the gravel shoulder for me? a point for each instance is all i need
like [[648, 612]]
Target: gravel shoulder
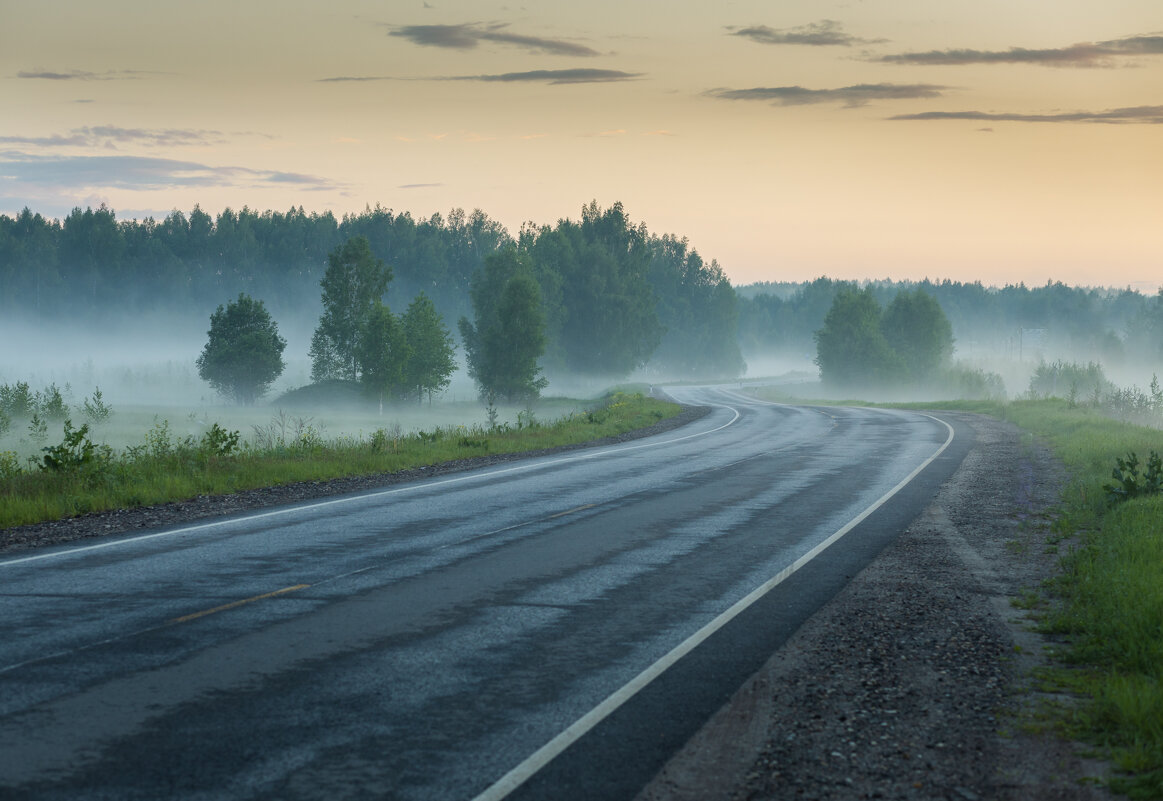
[[916, 681]]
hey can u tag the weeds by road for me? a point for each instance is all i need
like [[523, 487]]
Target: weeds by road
[[80, 477]]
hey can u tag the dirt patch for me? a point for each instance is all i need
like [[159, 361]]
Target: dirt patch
[[914, 682], [120, 521]]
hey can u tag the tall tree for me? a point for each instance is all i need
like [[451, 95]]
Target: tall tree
[[918, 330], [244, 352], [851, 349], [355, 280], [432, 361], [382, 353], [508, 337]]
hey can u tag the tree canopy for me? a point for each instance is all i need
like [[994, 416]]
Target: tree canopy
[[244, 353], [354, 283]]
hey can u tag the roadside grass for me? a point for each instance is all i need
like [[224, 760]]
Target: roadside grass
[[168, 467], [1108, 599]]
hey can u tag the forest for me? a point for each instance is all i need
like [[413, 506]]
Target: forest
[[616, 298]]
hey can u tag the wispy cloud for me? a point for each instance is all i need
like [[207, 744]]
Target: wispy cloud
[[134, 172], [111, 135], [850, 96], [825, 33], [85, 75], [468, 36], [553, 77], [1082, 55], [1148, 115], [566, 76], [417, 186]]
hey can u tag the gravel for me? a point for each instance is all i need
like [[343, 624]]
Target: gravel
[[915, 682]]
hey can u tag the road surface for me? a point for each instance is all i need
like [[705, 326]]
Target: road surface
[[552, 628]]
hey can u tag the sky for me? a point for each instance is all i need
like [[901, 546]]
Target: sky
[[991, 140]]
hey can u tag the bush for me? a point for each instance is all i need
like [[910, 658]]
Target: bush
[[95, 409], [75, 451], [1129, 483]]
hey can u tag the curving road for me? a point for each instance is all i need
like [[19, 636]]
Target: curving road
[[554, 628]]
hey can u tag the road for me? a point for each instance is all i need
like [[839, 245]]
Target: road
[[551, 628]]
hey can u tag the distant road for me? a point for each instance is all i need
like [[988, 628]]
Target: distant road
[[551, 628]]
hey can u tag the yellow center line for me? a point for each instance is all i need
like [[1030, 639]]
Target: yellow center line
[[224, 607], [571, 511]]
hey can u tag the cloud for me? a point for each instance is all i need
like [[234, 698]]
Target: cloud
[[850, 96], [84, 75], [553, 77], [1082, 55], [111, 135], [579, 75], [825, 33], [417, 186], [1143, 115], [469, 36], [134, 172]]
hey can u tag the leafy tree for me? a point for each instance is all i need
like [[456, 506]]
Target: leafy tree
[[382, 352], [918, 331], [508, 337], [432, 361], [355, 280], [851, 348], [244, 353]]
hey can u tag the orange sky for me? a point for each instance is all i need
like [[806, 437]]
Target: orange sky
[[989, 140]]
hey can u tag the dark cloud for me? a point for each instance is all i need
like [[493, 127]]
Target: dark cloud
[[134, 172], [469, 35], [111, 135], [850, 96], [554, 76], [1149, 115], [825, 33], [1083, 54], [84, 75]]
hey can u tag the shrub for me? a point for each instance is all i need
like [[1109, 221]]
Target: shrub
[[1129, 483], [74, 452], [95, 409]]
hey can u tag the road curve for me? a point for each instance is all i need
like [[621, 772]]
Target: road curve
[[553, 628]]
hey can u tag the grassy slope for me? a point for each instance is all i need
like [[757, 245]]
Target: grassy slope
[[166, 467]]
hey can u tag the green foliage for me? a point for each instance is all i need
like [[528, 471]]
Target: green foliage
[[508, 337], [75, 451], [51, 403], [244, 353], [220, 443], [1059, 379], [95, 409], [5, 423], [382, 352], [1128, 481], [17, 400], [918, 332], [37, 428], [354, 282], [432, 361], [851, 349]]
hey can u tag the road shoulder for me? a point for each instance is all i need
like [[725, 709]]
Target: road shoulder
[[916, 680]]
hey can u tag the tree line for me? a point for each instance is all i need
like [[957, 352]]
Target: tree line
[[614, 296]]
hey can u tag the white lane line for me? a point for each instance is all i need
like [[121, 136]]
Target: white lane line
[[382, 493], [546, 753]]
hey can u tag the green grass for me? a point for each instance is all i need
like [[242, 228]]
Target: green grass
[[170, 467]]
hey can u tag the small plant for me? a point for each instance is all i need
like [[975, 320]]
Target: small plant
[[37, 428], [9, 465], [5, 422], [1130, 484], [159, 442], [491, 409], [379, 440], [470, 442], [52, 403], [219, 442], [75, 451], [95, 409]]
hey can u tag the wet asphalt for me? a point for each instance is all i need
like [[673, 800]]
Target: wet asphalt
[[424, 640]]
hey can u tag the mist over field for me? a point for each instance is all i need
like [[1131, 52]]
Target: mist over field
[[126, 306]]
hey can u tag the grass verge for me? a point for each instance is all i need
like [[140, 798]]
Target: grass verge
[[167, 468], [1108, 599]]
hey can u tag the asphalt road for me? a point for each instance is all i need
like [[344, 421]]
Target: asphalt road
[[552, 628]]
